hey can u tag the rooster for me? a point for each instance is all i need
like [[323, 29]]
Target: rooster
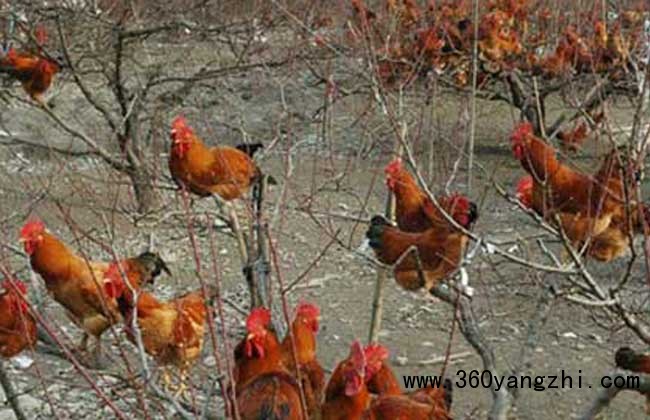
[[628, 359], [414, 211], [260, 351], [225, 171], [346, 394], [265, 387], [172, 331], [439, 249], [17, 325], [76, 283], [303, 330]]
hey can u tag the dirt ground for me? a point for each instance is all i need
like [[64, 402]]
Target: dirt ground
[[415, 328]]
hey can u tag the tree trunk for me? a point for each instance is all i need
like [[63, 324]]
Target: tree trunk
[[143, 187]]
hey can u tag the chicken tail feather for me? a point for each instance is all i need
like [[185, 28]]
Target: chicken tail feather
[[249, 148]]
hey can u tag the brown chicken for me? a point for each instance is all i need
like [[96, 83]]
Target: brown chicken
[[589, 208], [225, 171], [439, 249], [414, 211], [573, 139], [34, 71], [17, 325], [346, 394], [272, 395], [584, 207], [628, 359], [172, 332], [265, 388], [77, 284], [382, 381], [304, 329], [260, 351]]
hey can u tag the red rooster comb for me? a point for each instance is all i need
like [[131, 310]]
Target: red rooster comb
[[394, 167], [375, 355], [357, 356], [32, 228], [258, 319], [7, 285], [459, 202], [180, 128], [524, 190], [521, 132], [308, 310], [114, 283]]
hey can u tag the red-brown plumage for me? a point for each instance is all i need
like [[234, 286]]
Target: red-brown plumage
[[17, 325], [346, 394], [77, 284], [33, 71], [425, 403], [440, 251], [260, 351], [272, 395], [222, 170], [304, 329], [414, 211], [588, 207], [172, 331]]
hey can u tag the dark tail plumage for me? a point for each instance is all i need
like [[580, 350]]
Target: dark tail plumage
[[625, 358], [153, 265], [249, 148], [376, 230]]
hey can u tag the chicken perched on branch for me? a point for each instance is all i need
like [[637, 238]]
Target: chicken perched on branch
[[303, 330], [78, 284], [172, 332], [582, 205], [225, 171], [265, 388], [437, 251], [17, 325], [34, 70], [414, 211], [590, 208], [628, 359]]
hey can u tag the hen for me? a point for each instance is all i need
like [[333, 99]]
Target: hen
[[172, 332], [304, 329], [346, 394], [414, 211], [628, 359], [17, 326], [76, 283], [34, 71], [225, 171], [439, 249], [426, 403], [265, 389], [583, 205], [609, 234]]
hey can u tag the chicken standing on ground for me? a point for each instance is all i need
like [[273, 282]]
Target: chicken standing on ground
[[77, 284]]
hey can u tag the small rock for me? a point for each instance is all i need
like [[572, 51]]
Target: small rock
[[401, 360], [569, 335]]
